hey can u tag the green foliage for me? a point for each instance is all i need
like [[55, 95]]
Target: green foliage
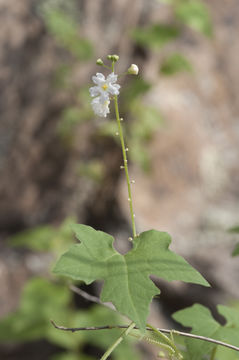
[[75, 115], [43, 300], [61, 77], [137, 87], [146, 121], [194, 13], [174, 64], [46, 238], [31, 321], [126, 277], [63, 27], [155, 36], [140, 130], [236, 250], [235, 229], [93, 170], [199, 318]]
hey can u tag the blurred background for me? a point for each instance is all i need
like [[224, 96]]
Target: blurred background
[[60, 163]]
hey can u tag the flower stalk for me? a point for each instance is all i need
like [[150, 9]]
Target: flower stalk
[[125, 166]]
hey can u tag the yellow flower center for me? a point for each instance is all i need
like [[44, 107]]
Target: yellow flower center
[[104, 87]]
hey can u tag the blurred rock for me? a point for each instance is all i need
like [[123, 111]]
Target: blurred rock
[[192, 190]]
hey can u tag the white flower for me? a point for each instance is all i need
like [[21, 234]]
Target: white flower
[[105, 87], [100, 106], [133, 69]]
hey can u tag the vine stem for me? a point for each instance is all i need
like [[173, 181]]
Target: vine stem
[[166, 331], [118, 341]]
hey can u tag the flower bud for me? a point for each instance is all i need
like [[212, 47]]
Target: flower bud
[[99, 62], [113, 58], [133, 69]]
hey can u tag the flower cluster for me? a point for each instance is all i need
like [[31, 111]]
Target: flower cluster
[[102, 91]]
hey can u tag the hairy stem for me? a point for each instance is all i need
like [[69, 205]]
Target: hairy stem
[[167, 340], [125, 164]]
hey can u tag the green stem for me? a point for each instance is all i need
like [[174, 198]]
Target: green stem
[[149, 340], [117, 342], [125, 160], [125, 164], [213, 353]]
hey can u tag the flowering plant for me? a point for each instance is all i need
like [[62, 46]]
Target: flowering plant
[[127, 283]]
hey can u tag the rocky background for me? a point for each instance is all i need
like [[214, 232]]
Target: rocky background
[[192, 189]]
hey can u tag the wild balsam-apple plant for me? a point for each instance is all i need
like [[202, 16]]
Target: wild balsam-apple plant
[[127, 283]]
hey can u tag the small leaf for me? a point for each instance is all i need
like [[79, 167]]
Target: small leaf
[[155, 36], [64, 28], [199, 318], [234, 229], [46, 238], [230, 314], [37, 239], [174, 64], [126, 277], [236, 250], [196, 15]]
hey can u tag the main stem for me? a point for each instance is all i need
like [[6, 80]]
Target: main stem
[[125, 164], [124, 152]]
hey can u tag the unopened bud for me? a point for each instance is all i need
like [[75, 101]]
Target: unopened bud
[[133, 69], [113, 58], [99, 62]]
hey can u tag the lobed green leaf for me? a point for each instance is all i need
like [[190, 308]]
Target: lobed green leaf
[[126, 277]]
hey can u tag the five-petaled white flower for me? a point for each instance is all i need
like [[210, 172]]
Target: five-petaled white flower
[[102, 91]]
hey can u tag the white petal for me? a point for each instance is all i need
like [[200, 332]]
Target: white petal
[[112, 78], [104, 96], [98, 79], [94, 91], [114, 89]]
